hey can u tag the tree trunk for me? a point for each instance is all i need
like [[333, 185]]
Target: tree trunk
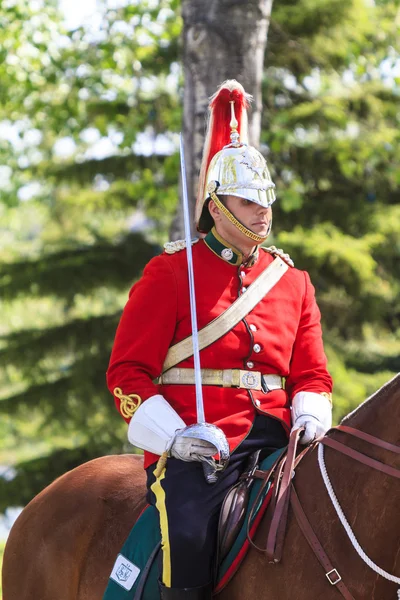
[[222, 39]]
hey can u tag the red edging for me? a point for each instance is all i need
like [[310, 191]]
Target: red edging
[[243, 551]]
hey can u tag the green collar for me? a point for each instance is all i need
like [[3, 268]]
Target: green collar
[[225, 251]]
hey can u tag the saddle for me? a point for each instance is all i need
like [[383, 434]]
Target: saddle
[[235, 505], [135, 571]]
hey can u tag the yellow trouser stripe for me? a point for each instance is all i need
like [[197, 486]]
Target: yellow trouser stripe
[[159, 493]]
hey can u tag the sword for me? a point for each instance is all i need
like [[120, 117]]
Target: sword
[[201, 430], [192, 296]]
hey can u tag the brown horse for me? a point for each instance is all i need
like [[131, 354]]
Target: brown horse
[[63, 545]]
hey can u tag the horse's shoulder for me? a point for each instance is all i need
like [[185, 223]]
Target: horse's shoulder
[[103, 475], [114, 461], [112, 467]]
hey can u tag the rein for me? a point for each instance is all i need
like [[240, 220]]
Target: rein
[[366, 460]]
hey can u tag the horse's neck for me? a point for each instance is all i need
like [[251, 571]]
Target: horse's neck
[[366, 496]]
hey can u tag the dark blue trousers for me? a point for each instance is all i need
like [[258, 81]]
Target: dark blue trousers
[[189, 506]]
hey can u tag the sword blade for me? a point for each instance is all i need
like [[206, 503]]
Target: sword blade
[[192, 296]]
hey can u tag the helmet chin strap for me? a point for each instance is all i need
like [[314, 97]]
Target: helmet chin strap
[[258, 239]]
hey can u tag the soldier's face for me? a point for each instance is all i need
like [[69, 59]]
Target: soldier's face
[[253, 216]]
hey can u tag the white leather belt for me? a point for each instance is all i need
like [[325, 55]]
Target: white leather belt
[[249, 380]]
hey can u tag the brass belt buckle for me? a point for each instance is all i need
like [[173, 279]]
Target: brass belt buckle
[[250, 380]]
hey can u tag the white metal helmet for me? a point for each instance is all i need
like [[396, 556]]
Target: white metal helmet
[[242, 171]]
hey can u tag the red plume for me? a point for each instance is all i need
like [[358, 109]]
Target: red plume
[[221, 117], [219, 130]]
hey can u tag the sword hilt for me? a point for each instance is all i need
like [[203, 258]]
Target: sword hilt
[[210, 473]]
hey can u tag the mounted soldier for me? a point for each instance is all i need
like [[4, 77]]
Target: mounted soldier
[[263, 365]]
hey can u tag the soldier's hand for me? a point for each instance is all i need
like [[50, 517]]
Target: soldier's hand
[[313, 428], [314, 412], [190, 449]]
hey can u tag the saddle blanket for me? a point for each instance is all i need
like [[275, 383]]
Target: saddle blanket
[[135, 572]]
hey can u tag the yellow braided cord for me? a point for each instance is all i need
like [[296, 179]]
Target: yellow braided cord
[[159, 493], [253, 236], [162, 463], [129, 403], [327, 395]]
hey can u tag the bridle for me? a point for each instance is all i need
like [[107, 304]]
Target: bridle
[[370, 462], [285, 495]]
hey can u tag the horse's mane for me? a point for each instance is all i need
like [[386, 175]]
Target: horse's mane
[[377, 396]]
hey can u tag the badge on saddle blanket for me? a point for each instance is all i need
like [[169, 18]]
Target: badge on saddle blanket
[[124, 572], [135, 568]]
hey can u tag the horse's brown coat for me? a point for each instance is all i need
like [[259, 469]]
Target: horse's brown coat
[[63, 545]]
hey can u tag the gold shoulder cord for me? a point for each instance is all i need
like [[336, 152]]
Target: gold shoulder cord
[[129, 403], [327, 395]]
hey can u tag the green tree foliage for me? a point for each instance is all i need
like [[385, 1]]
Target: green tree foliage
[[70, 253], [331, 126]]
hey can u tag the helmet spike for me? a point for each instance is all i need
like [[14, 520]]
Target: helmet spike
[[235, 137]]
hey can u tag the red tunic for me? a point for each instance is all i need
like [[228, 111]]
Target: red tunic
[[281, 335]]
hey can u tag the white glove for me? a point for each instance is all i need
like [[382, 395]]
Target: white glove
[[190, 448], [154, 425], [314, 412], [157, 428]]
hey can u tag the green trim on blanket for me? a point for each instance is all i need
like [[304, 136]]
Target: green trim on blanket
[[141, 542]]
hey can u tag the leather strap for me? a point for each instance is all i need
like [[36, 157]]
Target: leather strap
[[256, 504], [278, 524], [230, 317], [362, 458], [145, 573], [368, 438], [281, 470], [281, 532], [331, 573]]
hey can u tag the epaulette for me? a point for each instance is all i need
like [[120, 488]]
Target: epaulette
[[279, 252], [172, 247]]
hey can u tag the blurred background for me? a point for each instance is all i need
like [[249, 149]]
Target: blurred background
[[92, 98]]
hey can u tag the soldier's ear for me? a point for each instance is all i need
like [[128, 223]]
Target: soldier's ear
[[214, 210]]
